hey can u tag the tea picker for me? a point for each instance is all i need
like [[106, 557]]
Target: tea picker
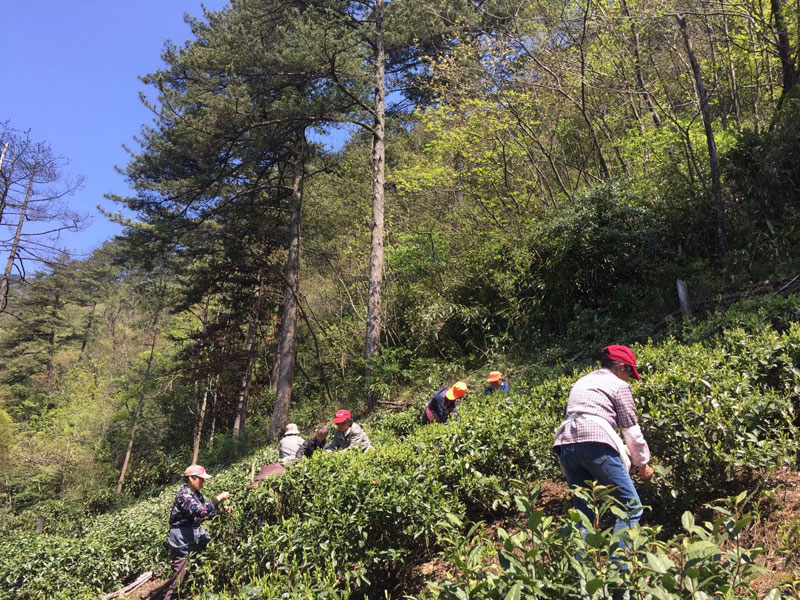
[[186, 533], [588, 446], [443, 403]]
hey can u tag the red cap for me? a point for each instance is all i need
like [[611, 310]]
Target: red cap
[[341, 416], [624, 355], [196, 471]]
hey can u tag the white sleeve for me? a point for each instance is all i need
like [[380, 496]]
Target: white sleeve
[[637, 445]]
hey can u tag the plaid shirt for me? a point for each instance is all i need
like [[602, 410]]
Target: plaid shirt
[[604, 394], [191, 509]]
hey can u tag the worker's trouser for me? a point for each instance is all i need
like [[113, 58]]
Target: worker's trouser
[[178, 564]]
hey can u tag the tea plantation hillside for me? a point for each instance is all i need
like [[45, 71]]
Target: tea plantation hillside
[[718, 404]]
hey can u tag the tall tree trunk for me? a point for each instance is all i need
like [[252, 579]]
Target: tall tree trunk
[[213, 426], [198, 428], [716, 187], [286, 344], [4, 282], [373, 336], [584, 111], [250, 353], [199, 373], [734, 91], [637, 67], [790, 76], [139, 406], [86, 331]]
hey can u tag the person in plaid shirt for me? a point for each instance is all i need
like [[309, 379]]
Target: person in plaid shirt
[[186, 533], [587, 444]]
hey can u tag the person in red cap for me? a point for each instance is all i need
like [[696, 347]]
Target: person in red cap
[[496, 383], [348, 434], [443, 403], [186, 534], [587, 443]]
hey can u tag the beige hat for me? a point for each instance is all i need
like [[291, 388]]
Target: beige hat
[[291, 429]]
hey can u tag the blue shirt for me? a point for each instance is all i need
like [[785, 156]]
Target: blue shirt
[[504, 387]]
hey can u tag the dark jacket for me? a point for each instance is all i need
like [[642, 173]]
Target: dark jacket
[[310, 446], [439, 408]]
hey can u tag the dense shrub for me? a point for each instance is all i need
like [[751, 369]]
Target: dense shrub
[[752, 315], [537, 559], [713, 414]]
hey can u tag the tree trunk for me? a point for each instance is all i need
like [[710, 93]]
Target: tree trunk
[[584, 111], [198, 428], [790, 76], [250, 352], [138, 412], [86, 331], [637, 67], [373, 336], [286, 344], [713, 160], [212, 428], [4, 282], [734, 91]]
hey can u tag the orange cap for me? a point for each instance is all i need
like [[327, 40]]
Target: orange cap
[[494, 376], [456, 391]]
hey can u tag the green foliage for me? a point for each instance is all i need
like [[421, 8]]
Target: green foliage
[[714, 416], [763, 167], [537, 558], [751, 315]]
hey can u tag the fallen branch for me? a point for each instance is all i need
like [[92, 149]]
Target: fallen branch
[[396, 405], [142, 579]]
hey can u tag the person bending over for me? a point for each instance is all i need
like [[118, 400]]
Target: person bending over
[[443, 403], [314, 443], [587, 444]]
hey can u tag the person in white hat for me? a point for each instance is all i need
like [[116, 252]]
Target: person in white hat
[[290, 442], [186, 534]]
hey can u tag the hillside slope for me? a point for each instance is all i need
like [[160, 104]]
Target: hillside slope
[[718, 416]]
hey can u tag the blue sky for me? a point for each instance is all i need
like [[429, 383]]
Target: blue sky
[[70, 73]]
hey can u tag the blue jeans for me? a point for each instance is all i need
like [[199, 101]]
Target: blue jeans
[[595, 461]]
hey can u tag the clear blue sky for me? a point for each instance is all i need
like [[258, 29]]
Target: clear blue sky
[[70, 75]]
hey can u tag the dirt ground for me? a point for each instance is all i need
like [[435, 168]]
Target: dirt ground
[[778, 532]]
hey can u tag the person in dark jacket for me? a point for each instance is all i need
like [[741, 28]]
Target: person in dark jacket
[[314, 443], [443, 404], [186, 534], [496, 383]]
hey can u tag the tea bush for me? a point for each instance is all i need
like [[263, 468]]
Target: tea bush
[[752, 315], [537, 559], [341, 523], [712, 415]]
